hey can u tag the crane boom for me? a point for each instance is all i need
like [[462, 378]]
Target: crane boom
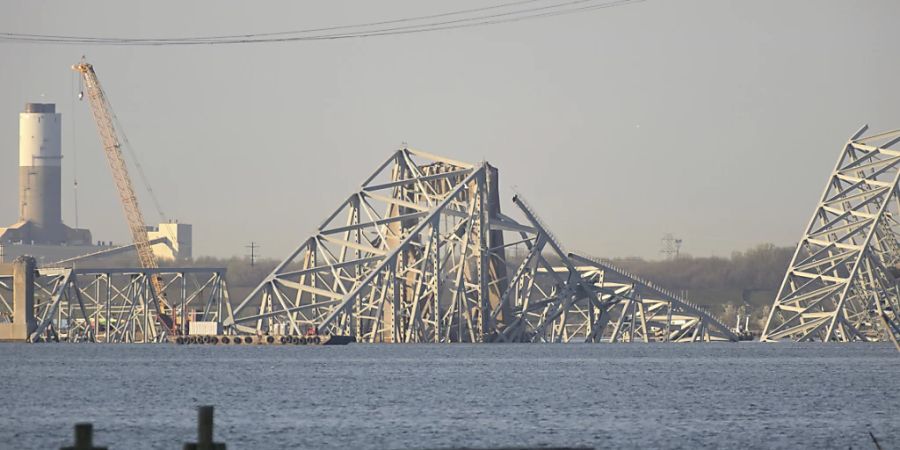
[[102, 112]]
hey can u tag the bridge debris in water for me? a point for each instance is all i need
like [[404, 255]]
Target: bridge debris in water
[[423, 253], [841, 284]]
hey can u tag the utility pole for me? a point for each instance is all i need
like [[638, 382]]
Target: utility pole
[[253, 246]]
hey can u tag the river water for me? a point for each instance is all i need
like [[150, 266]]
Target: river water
[[745, 395]]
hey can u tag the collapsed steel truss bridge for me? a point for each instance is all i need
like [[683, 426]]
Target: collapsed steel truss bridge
[[117, 305], [423, 253], [842, 283]]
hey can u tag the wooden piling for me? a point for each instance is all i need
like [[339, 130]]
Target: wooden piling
[[204, 431], [84, 438]]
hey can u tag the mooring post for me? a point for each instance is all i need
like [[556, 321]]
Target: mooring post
[[204, 427], [84, 435], [84, 438], [204, 431]]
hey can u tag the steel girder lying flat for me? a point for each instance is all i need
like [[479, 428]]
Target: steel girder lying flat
[[119, 305], [841, 284], [422, 253]]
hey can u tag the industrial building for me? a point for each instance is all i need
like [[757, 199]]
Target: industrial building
[[40, 231], [171, 241]]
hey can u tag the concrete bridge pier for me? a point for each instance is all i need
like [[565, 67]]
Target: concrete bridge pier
[[23, 323]]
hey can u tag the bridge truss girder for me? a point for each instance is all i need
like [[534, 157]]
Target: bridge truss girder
[[842, 283], [625, 308], [416, 255], [422, 253], [119, 305]]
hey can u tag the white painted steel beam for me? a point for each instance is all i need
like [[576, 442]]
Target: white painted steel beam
[[422, 253], [841, 284]]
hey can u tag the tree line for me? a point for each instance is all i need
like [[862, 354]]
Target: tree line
[[760, 268]]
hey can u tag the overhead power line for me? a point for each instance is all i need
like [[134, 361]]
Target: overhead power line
[[489, 15], [308, 30]]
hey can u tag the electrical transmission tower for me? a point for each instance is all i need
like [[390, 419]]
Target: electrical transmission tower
[[253, 255], [671, 246], [842, 283]]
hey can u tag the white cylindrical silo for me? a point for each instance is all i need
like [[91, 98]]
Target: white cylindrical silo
[[40, 158]]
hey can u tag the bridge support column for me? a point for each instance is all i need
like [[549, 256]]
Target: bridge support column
[[23, 323]]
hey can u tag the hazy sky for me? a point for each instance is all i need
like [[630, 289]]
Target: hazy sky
[[718, 121]]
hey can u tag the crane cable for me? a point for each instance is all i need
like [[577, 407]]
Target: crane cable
[[74, 144], [136, 162]]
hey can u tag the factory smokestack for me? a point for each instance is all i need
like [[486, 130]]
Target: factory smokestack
[[40, 232], [40, 158]]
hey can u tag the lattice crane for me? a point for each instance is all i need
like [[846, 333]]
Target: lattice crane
[[103, 116]]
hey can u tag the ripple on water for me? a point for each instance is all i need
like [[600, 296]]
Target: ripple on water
[[745, 395]]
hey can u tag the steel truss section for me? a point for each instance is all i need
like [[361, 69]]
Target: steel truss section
[[6, 299], [542, 296], [119, 305], [416, 255], [841, 284], [422, 253], [631, 309]]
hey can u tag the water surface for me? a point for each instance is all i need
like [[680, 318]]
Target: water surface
[[745, 395]]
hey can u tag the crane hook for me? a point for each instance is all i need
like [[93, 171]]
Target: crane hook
[[81, 84]]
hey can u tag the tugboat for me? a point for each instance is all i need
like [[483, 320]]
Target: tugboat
[[742, 329]]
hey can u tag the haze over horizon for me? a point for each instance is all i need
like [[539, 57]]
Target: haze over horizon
[[722, 132]]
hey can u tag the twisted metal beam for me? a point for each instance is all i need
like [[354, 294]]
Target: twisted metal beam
[[422, 253]]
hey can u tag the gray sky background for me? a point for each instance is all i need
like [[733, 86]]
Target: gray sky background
[[715, 120]]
